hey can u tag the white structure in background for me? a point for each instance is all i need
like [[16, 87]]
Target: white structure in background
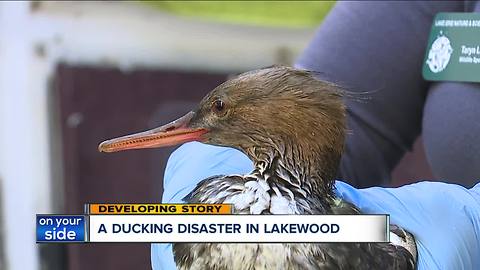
[[35, 36]]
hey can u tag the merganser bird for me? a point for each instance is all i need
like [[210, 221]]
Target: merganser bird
[[292, 126]]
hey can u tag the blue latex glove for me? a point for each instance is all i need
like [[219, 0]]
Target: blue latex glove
[[187, 166], [444, 218]]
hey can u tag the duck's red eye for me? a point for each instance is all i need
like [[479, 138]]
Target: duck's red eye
[[218, 106]]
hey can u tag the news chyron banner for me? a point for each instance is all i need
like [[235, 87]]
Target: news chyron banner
[[202, 223]]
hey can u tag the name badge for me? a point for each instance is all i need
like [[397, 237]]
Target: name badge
[[453, 51]]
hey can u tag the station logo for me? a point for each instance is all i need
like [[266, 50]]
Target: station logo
[[439, 54]]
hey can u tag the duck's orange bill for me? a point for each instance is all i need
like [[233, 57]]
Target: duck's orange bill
[[173, 133]]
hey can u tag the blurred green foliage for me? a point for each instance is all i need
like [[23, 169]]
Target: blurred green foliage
[[295, 14]]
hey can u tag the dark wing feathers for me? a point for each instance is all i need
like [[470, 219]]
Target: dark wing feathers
[[325, 256], [209, 187]]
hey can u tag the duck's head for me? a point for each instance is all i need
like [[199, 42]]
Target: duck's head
[[273, 114]]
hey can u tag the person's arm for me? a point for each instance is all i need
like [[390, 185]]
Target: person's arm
[[445, 219], [378, 47]]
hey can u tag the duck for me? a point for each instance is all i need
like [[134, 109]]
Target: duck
[[292, 126]]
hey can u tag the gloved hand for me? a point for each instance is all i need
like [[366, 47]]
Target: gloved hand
[[188, 165], [444, 218]]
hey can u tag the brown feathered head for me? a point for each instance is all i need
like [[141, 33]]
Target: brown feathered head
[[272, 114]]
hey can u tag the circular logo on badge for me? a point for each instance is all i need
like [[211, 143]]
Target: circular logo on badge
[[439, 54]]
